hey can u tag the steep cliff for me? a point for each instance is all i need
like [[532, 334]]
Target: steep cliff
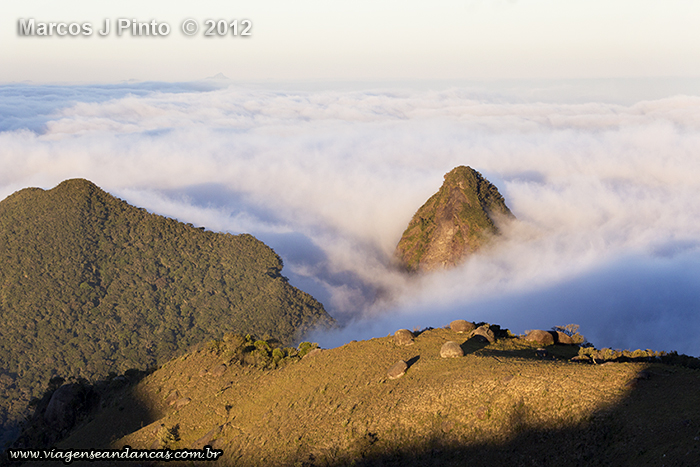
[[454, 222]]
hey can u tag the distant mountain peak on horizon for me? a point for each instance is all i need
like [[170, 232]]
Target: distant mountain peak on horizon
[[455, 222], [218, 76]]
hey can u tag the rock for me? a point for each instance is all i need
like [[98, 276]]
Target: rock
[[447, 426], [455, 222], [451, 349], [403, 337], [562, 338], [64, 405], [485, 333], [540, 336], [180, 403], [172, 397], [218, 370], [541, 353], [461, 325], [397, 370], [207, 438]]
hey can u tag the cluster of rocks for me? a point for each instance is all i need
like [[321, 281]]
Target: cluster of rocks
[[549, 337], [403, 337], [176, 401], [485, 333]]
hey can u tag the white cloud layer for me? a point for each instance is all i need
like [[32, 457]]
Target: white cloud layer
[[606, 195]]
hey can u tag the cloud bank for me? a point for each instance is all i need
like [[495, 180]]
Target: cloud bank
[[606, 195]]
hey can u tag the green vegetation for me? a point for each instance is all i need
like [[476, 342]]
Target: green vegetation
[[604, 355], [455, 221], [91, 285], [234, 348]]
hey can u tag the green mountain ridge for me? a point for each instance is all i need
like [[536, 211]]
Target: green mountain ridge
[[90, 285], [455, 222]]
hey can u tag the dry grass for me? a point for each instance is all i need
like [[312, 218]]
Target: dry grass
[[337, 407]]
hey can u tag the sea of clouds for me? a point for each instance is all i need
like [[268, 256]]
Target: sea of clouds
[[606, 194]]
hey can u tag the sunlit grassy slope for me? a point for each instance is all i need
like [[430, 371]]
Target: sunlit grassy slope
[[497, 405]]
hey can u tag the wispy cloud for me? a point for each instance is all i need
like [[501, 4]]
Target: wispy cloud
[[605, 195]]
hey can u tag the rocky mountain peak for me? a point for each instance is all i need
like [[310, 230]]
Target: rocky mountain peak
[[455, 222]]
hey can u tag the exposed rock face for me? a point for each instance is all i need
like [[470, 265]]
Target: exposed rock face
[[454, 222]]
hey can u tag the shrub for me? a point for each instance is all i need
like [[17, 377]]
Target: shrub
[[168, 436], [306, 347]]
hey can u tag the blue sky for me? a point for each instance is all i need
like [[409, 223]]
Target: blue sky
[[362, 40]]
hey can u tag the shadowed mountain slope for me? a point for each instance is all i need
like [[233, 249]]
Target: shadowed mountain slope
[[454, 222], [91, 285]]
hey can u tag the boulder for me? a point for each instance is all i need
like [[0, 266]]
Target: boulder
[[451, 349], [540, 336], [207, 438], [485, 333], [397, 370], [218, 370], [64, 405], [461, 325], [172, 397], [403, 337], [562, 338], [180, 403]]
